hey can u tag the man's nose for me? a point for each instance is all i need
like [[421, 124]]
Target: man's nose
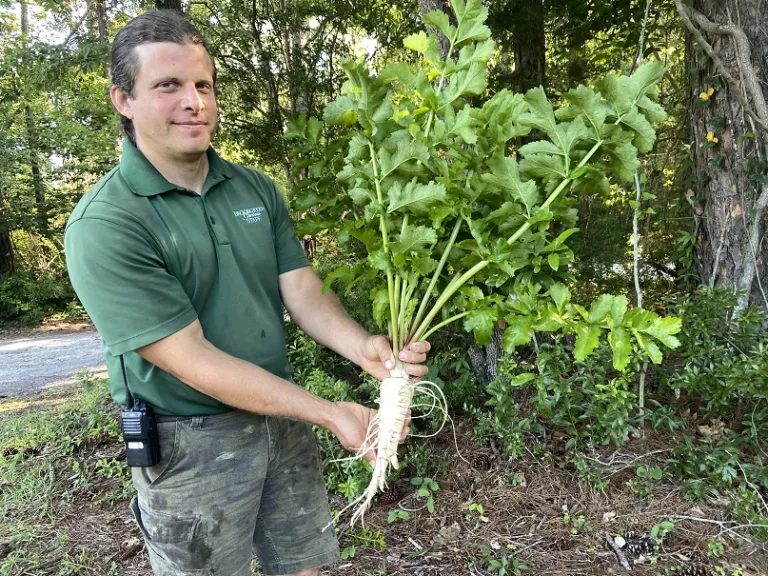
[[191, 100]]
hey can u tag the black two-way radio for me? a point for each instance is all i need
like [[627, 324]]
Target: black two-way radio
[[142, 444]]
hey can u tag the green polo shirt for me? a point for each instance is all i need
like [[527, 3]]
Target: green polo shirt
[[147, 257]]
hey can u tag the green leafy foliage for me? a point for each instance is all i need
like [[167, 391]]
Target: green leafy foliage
[[405, 164]]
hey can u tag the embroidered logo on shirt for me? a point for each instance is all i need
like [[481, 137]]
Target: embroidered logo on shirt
[[250, 214]]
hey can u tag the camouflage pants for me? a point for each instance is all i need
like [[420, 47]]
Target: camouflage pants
[[229, 484]]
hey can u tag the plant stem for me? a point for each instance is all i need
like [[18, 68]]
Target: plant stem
[[400, 292], [524, 228], [444, 323], [445, 296], [385, 244], [436, 275]]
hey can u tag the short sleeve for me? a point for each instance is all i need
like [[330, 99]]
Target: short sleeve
[[123, 284], [290, 253]]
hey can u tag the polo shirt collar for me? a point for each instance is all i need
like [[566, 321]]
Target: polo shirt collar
[[144, 179]]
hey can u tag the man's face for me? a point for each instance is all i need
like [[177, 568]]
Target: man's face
[[173, 106]]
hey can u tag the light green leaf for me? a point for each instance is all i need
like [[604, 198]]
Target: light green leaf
[[340, 112], [624, 161], [415, 198], [343, 273], [652, 111], [554, 261], [471, 53], [481, 322], [379, 260], [601, 308], [506, 175], [618, 309], [314, 127], [470, 17], [616, 95], [644, 133], [587, 339], [519, 332], [360, 195], [462, 126], [406, 151], [653, 352], [414, 239], [541, 215], [560, 294], [584, 100], [663, 329], [540, 147], [621, 346], [645, 79], [467, 82], [418, 42], [380, 298], [543, 166], [540, 115], [439, 20]]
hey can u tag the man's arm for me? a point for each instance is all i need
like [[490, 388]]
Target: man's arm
[[324, 320], [191, 358]]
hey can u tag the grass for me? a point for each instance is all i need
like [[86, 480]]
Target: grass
[[64, 490]]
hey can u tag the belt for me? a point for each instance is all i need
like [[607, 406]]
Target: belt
[[162, 418]]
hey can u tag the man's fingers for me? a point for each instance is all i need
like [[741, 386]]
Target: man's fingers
[[421, 347], [417, 370], [412, 357], [384, 350]]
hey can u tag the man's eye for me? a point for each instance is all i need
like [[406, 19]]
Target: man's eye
[[204, 86], [166, 84]]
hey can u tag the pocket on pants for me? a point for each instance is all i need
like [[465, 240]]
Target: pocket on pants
[[176, 542]]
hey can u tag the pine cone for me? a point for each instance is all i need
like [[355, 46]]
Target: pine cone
[[391, 496], [695, 570]]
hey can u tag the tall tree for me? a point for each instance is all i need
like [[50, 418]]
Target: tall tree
[[32, 141], [728, 60], [518, 25]]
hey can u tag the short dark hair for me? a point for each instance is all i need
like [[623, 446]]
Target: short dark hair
[[150, 27]]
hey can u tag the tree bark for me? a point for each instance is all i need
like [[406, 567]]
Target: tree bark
[[520, 26], [7, 260], [32, 144], [485, 359], [728, 53], [443, 43], [168, 5]]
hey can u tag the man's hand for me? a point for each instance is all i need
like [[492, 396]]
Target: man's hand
[[351, 425], [377, 358]]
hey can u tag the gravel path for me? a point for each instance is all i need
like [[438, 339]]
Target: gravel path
[[30, 363]]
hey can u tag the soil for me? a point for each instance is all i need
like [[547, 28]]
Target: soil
[[522, 518]]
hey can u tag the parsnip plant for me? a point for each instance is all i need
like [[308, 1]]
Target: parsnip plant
[[458, 223]]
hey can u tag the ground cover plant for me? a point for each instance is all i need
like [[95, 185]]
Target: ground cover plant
[[65, 491], [459, 218]]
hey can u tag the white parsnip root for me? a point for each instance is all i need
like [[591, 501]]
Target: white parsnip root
[[383, 435]]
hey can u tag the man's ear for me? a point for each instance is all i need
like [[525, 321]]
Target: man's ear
[[121, 101]]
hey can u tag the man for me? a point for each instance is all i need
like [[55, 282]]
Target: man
[[184, 262]]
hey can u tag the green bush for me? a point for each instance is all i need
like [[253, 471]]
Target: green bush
[[27, 298], [721, 367]]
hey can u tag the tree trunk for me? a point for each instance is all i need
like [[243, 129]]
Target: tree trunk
[[443, 43], [728, 54], [7, 260], [529, 47], [519, 25], [485, 359], [168, 5], [32, 147]]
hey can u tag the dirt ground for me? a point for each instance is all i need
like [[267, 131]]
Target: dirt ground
[[524, 509]]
